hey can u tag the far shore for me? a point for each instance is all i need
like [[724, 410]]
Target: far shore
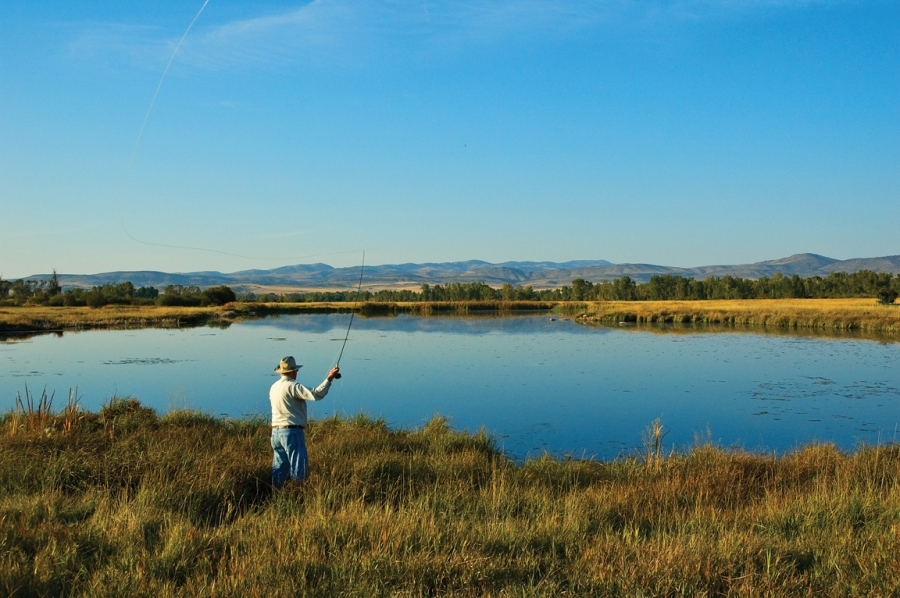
[[863, 315]]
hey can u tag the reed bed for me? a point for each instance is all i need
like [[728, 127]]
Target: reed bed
[[828, 314], [127, 502]]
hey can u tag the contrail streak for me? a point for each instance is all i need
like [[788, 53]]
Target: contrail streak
[[161, 79], [140, 134], [137, 143]]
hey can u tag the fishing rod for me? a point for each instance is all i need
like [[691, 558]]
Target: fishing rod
[[352, 311]]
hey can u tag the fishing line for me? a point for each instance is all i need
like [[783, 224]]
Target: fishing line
[[130, 167], [140, 134], [352, 311]]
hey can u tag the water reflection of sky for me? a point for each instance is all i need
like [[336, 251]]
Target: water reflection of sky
[[537, 384]]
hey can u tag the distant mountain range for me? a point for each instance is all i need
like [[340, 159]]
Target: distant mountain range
[[537, 274]]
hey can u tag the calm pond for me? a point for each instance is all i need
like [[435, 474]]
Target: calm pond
[[537, 384]]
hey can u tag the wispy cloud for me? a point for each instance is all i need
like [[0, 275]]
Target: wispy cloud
[[108, 44], [310, 33], [341, 31], [314, 32]]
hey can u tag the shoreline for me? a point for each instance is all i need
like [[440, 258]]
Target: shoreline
[[785, 314], [862, 315]]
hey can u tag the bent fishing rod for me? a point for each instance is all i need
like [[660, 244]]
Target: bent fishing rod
[[352, 312]]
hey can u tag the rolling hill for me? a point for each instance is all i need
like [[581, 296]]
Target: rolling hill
[[537, 274]]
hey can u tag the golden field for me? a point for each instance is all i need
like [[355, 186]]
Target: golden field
[[50, 319], [824, 314], [34, 318]]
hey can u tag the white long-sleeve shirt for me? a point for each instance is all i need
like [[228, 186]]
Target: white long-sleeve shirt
[[289, 398]]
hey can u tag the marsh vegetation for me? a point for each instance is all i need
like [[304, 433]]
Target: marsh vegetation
[[128, 502], [863, 315], [779, 314]]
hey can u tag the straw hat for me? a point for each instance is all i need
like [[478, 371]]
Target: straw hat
[[287, 364]]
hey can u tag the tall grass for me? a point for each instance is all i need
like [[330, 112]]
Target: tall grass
[[30, 414], [653, 443], [41, 318], [816, 314], [137, 504]]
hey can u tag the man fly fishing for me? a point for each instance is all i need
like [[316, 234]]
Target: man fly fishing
[[288, 398]]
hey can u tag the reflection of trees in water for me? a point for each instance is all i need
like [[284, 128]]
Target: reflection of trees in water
[[491, 323], [447, 324], [14, 337]]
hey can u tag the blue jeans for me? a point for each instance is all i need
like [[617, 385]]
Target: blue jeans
[[290, 460]]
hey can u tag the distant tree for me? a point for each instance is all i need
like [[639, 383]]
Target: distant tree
[[485, 292], [120, 293], [22, 290], [176, 294], [95, 297], [580, 289], [885, 292], [74, 298], [5, 285], [662, 287], [220, 295], [53, 287], [887, 296], [146, 293], [624, 289]]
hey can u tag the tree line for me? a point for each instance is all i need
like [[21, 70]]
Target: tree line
[[883, 286], [50, 293], [456, 291], [865, 283]]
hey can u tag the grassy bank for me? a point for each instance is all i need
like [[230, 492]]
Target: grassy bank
[[41, 318], [829, 314], [129, 503], [785, 314]]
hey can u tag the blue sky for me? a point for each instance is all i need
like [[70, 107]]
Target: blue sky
[[682, 133]]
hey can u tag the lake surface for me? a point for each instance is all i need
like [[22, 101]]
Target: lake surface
[[537, 384]]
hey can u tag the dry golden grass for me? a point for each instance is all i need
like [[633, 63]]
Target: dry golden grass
[[44, 319], [777, 314], [127, 503], [827, 314], [32, 318]]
